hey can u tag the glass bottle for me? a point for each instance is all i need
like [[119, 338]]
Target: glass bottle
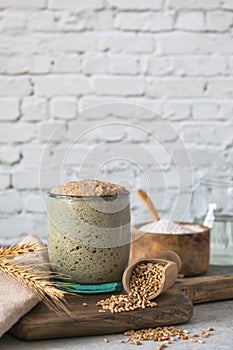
[[212, 205]]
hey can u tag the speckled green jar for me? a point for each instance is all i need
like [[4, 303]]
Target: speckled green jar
[[89, 237]]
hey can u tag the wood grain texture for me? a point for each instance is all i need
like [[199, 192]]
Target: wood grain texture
[[41, 323], [174, 307], [204, 289]]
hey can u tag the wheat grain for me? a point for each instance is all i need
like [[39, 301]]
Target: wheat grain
[[145, 280]]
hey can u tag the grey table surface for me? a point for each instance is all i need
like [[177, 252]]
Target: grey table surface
[[215, 314]]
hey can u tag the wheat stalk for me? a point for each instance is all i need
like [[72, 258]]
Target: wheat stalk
[[17, 250], [37, 281]]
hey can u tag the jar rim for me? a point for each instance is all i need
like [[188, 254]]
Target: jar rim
[[217, 180], [54, 195]]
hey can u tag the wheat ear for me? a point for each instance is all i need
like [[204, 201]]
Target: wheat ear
[[38, 284], [37, 281], [18, 250]]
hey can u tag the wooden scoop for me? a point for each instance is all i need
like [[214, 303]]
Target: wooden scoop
[[143, 196], [173, 265]]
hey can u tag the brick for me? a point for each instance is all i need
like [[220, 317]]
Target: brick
[[123, 64], [44, 156], [13, 64], [226, 111], [70, 42], [39, 221], [74, 22], [230, 65], [39, 64], [152, 21], [180, 178], [98, 21], [190, 20], [227, 4], [100, 108], [14, 225], [177, 110], [112, 131], [17, 133], [206, 134], [10, 202], [205, 110], [9, 108], [201, 156], [134, 152], [198, 66], [19, 86], [176, 88], [22, 42], [49, 179], [4, 181], [161, 130], [83, 131], [104, 108], [194, 4], [32, 156], [36, 4], [136, 4], [229, 158], [44, 21], [160, 154], [63, 107], [52, 131], [95, 63], [126, 42], [12, 22], [62, 85], [144, 109], [9, 155], [119, 86], [76, 154], [90, 101], [33, 203], [36, 179], [34, 109], [58, 156], [160, 66], [76, 4], [219, 20], [66, 63], [136, 134], [19, 64], [220, 88], [194, 43], [158, 179]]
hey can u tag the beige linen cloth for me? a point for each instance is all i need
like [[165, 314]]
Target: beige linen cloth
[[15, 298]]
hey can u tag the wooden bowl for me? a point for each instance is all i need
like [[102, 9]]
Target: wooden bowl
[[193, 248]]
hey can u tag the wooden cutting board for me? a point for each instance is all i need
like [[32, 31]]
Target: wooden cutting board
[[174, 307]]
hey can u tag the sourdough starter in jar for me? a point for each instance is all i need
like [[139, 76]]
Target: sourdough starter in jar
[[89, 231]]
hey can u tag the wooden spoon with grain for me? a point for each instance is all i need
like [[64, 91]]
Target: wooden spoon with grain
[[171, 269]]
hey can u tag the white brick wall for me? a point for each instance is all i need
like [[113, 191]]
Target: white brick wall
[[59, 57]]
